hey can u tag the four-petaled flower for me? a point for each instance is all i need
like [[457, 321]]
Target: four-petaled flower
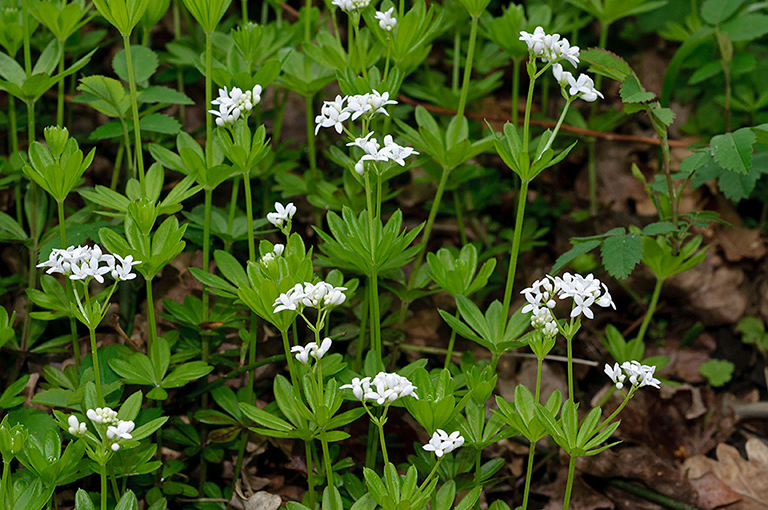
[[442, 443]]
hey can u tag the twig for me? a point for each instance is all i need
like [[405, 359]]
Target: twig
[[616, 137]]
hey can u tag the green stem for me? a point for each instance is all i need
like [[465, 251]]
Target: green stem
[[95, 358], [244, 5], [249, 217], [651, 308], [615, 413], [363, 323], [649, 495], [374, 282], [383, 443], [468, 67], [206, 245], [532, 447], [135, 110], [239, 462], [308, 21], [128, 156], [531, 67], [557, 127], [151, 322], [592, 175], [428, 227], [569, 343], [450, 345], [569, 483], [60, 102], [430, 475], [310, 474], [289, 356], [6, 487], [27, 34], [103, 477], [68, 285], [277, 122], [326, 459], [232, 209], [208, 99], [513, 256], [117, 166]]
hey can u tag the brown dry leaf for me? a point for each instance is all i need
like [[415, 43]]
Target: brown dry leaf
[[713, 493], [740, 243], [263, 500], [642, 464], [747, 477]]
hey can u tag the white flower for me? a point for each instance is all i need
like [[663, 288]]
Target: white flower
[[123, 271], [569, 53], [359, 387], [311, 349], [278, 249], [302, 352], [535, 41], [616, 375], [358, 105], [332, 114], [232, 104], [121, 431], [386, 387], [281, 214], [442, 443], [561, 76], [351, 5], [115, 447], [581, 306], [379, 101], [102, 416], [605, 300], [395, 152], [640, 375], [584, 88], [386, 20], [76, 428], [289, 300]]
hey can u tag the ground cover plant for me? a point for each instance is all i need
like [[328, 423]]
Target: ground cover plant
[[350, 255]]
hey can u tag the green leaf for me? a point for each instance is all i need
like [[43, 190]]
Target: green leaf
[[578, 249], [144, 63], [717, 371], [621, 254], [168, 95], [632, 91], [185, 373], [733, 151], [717, 11], [159, 123]]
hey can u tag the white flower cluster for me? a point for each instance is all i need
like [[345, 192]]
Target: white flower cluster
[[316, 295], [351, 5], [442, 443], [281, 214], [384, 388], [233, 103], [638, 374], [311, 349], [333, 113], [550, 47], [583, 87], [374, 152], [386, 20], [116, 429], [276, 252], [83, 262], [585, 292]]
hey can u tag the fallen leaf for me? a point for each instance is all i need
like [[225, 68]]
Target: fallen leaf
[[744, 476], [263, 500]]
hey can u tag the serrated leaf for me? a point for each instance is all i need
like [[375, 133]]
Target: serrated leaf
[[163, 95], [144, 63], [606, 63], [632, 91], [621, 254], [159, 123], [733, 151]]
